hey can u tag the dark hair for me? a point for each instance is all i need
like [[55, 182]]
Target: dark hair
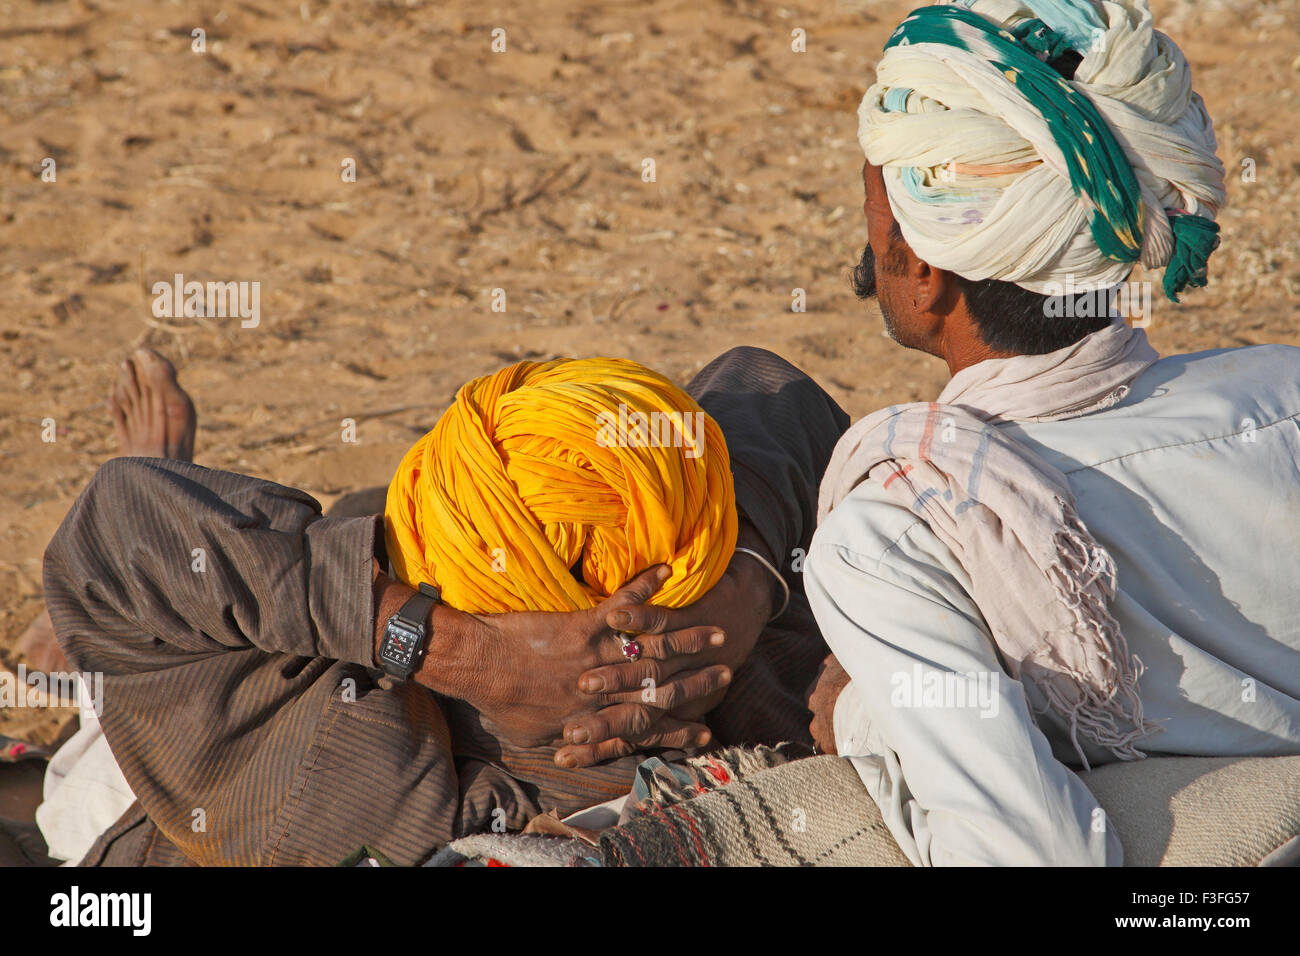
[[1008, 318], [1014, 320]]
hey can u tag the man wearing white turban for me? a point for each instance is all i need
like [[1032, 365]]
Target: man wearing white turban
[[1081, 552]]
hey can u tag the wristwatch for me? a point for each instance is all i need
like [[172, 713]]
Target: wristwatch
[[406, 635]]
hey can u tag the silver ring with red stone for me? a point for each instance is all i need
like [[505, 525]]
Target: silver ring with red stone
[[631, 646]]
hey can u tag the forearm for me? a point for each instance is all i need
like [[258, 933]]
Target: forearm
[[944, 738], [450, 666]]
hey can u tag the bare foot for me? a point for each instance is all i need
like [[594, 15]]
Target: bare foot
[[153, 416], [38, 647]]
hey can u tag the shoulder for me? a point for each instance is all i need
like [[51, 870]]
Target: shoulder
[[870, 538], [867, 524], [1268, 375]]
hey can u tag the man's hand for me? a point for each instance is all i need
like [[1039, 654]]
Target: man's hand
[[822, 695], [741, 601], [522, 670]]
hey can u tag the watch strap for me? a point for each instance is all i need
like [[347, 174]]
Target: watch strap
[[413, 616], [415, 612]]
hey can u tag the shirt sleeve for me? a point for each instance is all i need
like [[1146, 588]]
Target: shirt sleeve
[[941, 735], [159, 558], [218, 618]]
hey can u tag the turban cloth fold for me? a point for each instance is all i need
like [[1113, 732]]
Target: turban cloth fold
[[997, 167], [595, 466]]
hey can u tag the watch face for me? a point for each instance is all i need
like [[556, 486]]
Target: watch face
[[400, 644]]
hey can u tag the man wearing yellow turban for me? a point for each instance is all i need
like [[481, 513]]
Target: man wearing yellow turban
[[599, 464], [555, 505]]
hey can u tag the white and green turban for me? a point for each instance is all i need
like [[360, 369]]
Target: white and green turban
[[998, 167]]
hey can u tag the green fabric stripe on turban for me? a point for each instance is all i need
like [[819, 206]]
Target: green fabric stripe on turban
[[1097, 167]]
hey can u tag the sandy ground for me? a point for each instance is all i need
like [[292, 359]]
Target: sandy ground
[[477, 171]]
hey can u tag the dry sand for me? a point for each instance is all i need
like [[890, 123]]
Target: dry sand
[[519, 171]]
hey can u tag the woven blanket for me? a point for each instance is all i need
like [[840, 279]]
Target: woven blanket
[[1203, 811], [812, 812], [1169, 811]]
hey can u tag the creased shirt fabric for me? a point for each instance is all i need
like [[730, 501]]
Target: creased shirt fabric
[[1192, 483]]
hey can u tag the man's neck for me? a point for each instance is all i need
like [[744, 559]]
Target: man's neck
[[961, 347]]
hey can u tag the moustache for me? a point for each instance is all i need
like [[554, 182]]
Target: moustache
[[863, 279]]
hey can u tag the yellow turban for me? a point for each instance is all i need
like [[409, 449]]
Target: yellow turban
[[547, 464]]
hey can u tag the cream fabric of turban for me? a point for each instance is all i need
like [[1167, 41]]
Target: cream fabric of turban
[[998, 167]]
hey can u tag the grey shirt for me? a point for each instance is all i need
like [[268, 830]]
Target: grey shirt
[[1192, 483]]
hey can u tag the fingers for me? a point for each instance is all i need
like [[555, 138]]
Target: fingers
[[687, 687], [671, 732], [626, 609], [831, 679], [615, 679], [633, 595], [658, 730], [690, 640], [653, 682], [641, 618], [627, 721], [822, 695], [658, 646], [637, 591], [587, 755], [823, 735]]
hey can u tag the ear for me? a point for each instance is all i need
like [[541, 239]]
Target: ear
[[935, 291]]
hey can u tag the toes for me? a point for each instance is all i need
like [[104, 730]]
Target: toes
[[153, 375], [182, 424], [169, 405], [154, 368], [128, 386], [138, 404], [152, 415], [149, 373], [117, 404]]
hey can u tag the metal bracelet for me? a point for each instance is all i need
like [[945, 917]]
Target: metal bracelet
[[768, 564]]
